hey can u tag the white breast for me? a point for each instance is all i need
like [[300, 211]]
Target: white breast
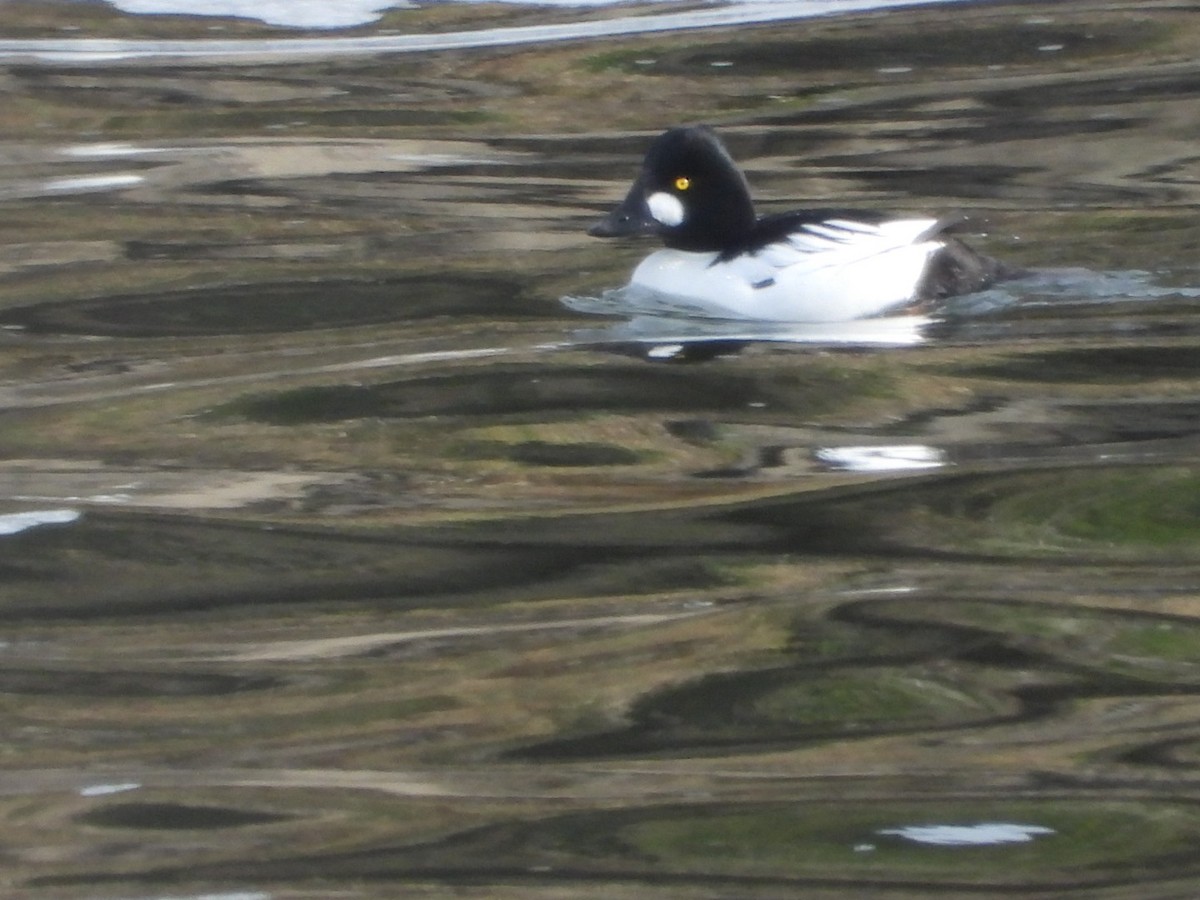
[[827, 272]]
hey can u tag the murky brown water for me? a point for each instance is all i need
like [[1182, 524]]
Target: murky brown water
[[342, 559]]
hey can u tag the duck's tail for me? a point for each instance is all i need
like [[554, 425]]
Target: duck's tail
[[957, 269]]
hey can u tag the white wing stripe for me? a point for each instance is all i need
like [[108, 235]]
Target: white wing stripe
[[855, 226], [846, 235], [810, 243], [832, 232]]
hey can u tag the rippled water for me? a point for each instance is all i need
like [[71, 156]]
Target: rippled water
[[360, 537]]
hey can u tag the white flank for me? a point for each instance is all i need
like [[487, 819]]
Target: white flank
[[808, 278]]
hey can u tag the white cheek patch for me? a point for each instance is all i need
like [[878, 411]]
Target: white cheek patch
[[665, 208]]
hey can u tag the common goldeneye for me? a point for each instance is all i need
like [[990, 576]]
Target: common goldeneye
[[820, 265]]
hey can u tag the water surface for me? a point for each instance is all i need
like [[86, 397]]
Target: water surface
[[359, 537]]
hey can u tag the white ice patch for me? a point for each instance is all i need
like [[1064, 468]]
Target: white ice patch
[[982, 834], [665, 351], [85, 183], [249, 51], [103, 790], [13, 523], [336, 13], [665, 208], [897, 457], [108, 151], [286, 13]]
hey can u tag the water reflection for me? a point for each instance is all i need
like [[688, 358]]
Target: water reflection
[[12, 523], [668, 328], [339, 554], [266, 307], [83, 50], [969, 835]]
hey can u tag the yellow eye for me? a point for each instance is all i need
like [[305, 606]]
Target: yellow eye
[[682, 183]]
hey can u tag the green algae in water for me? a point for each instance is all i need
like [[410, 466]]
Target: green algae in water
[[555, 453], [847, 839], [790, 705], [1148, 647], [869, 696], [1107, 365], [1144, 507], [1111, 512], [175, 816], [1160, 642], [287, 306], [566, 390]]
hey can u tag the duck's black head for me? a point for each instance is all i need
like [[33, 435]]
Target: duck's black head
[[689, 192]]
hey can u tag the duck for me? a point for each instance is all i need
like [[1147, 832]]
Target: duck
[[810, 265]]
